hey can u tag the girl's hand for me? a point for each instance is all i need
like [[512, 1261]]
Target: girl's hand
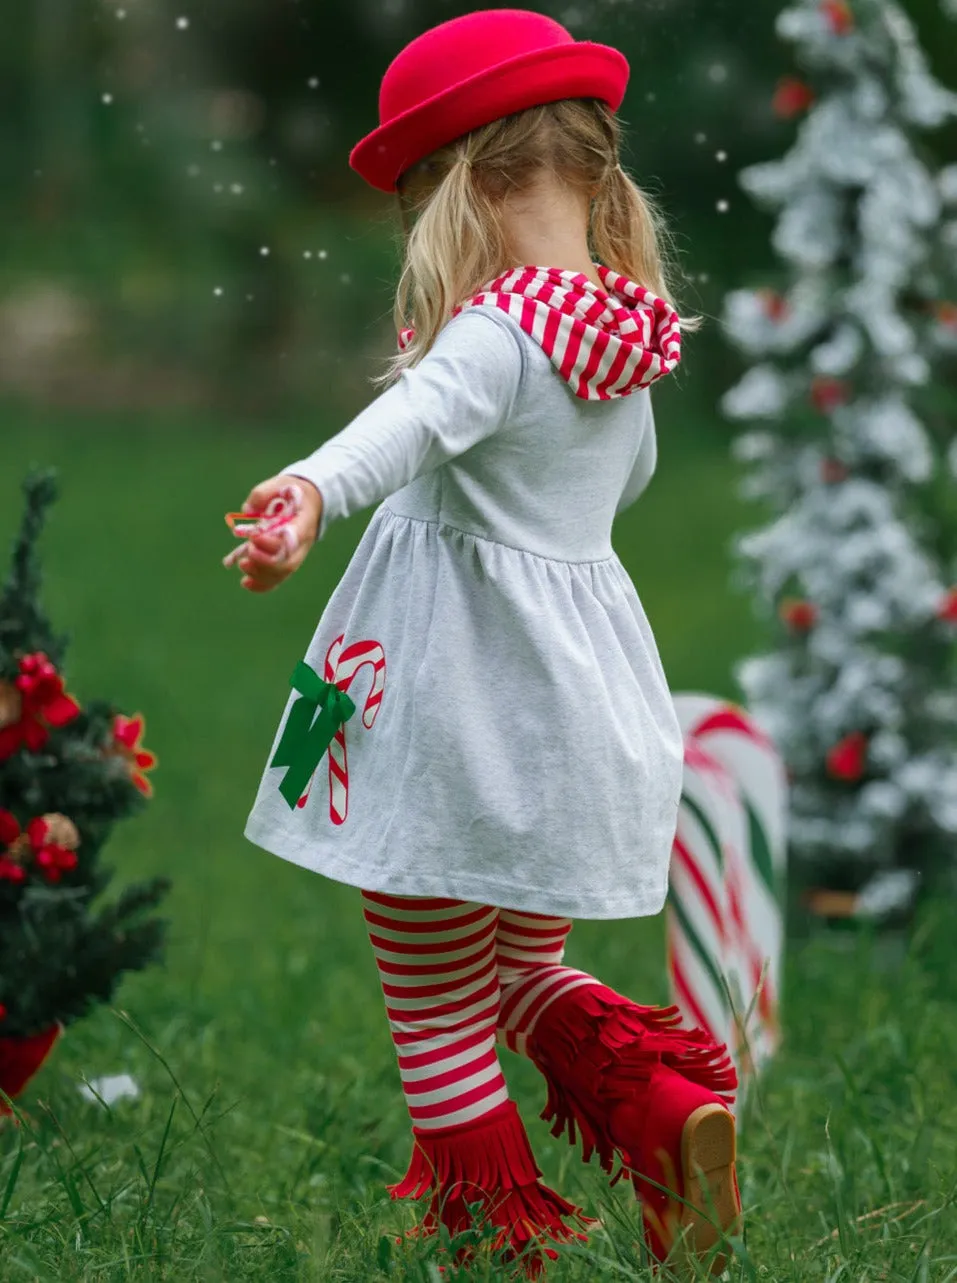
[[270, 559]]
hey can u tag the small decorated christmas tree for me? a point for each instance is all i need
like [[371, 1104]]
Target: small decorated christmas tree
[[854, 449], [67, 772]]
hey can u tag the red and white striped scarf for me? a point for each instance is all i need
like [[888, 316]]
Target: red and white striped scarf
[[604, 343]]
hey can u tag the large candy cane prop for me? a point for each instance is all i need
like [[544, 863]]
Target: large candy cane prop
[[725, 918], [697, 921], [755, 871], [341, 667]]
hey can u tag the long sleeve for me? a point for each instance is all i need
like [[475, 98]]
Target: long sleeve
[[460, 393], [645, 463]]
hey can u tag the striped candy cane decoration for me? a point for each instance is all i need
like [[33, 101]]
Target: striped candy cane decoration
[[755, 873], [341, 667], [725, 920], [697, 921]]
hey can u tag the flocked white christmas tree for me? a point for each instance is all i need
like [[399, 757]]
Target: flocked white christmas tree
[[852, 446]]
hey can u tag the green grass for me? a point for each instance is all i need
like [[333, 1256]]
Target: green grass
[[271, 1115]]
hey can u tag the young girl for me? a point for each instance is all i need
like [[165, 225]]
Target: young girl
[[503, 753]]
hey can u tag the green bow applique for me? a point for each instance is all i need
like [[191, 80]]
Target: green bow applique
[[306, 736]]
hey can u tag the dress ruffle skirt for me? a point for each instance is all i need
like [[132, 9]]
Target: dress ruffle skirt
[[514, 741]]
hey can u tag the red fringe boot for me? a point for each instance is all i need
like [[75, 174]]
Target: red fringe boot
[[634, 1086], [489, 1162]]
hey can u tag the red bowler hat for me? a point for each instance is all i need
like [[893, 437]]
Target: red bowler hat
[[471, 71]]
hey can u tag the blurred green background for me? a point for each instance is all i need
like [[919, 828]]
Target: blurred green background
[[182, 229]]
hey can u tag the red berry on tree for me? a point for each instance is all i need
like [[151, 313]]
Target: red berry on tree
[[827, 394], [840, 16], [776, 305], [10, 871], [947, 315], [847, 759], [791, 98], [9, 828], [947, 609], [799, 615], [833, 471]]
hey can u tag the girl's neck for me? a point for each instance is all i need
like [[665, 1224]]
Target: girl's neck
[[546, 225]]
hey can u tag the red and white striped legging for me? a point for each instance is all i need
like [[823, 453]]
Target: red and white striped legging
[[457, 978]]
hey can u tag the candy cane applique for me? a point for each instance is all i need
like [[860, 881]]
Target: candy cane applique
[[342, 664]]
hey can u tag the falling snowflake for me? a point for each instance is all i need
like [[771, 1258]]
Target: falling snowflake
[[323, 253], [106, 98], [194, 171], [218, 290], [313, 82], [237, 189], [721, 157], [121, 14], [723, 206], [182, 24], [717, 73], [701, 139], [264, 251], [307, 253], [215, 145]]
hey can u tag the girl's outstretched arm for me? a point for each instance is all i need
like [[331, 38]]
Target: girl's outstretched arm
[[462, 391]]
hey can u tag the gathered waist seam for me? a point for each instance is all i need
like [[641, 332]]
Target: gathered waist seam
[[499, 543]]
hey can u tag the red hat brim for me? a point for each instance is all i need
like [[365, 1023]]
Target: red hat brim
[[577, 70]]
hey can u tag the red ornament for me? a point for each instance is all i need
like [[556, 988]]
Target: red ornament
[[9, 828], [775, 304], [799, 615], [828, 394], [791, 98], [839, 15], [54, 861], [49, 842], [128, 735], [11, 871], [44, 705], [947, 609], [846, 760], [833, 471]]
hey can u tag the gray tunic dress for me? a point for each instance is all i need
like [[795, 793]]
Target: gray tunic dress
[[515, 741]]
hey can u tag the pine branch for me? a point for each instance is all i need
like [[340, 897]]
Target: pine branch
[[24, 626], [58, 960]]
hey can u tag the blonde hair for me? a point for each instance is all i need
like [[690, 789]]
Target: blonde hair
[[456, 244]]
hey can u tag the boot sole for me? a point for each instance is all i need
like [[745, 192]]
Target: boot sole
[[708, 1153]]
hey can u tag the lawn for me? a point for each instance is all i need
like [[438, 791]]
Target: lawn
[[270, 1114]]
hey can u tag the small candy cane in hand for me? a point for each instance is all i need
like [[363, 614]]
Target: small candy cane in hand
[[281, 510]]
